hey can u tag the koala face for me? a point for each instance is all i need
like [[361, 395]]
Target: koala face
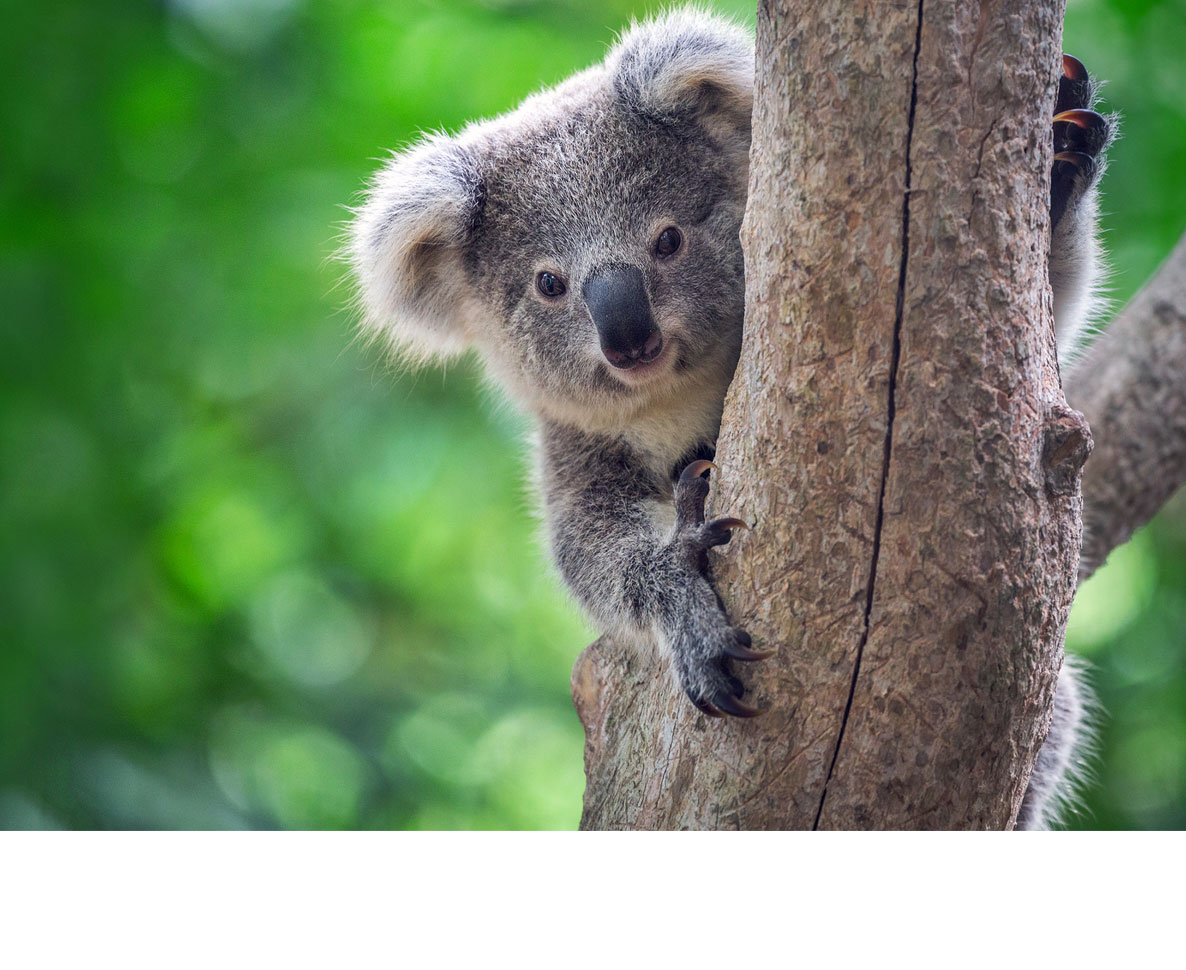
[[607, 258], [586, 243]]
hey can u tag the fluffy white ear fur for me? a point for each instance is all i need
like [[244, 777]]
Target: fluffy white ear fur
[[688, 63], [405, 247]]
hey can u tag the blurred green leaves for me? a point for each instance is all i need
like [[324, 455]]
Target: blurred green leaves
[[251, 577]]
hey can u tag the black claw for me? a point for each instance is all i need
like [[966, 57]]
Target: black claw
[[1074, 87], [691, 492], [704, 705], [1080, 130], [1073, 68], [739, 652], [731, 705], [1084, 118], [696, 470], [720, 531], [1081, 160], [1080, 135]]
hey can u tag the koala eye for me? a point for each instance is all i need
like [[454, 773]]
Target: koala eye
[[668, 242], [550, 285]]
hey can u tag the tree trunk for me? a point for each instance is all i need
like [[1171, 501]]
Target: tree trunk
[[897, 434]]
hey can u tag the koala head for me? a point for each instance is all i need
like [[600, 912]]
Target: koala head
[[587, 242]]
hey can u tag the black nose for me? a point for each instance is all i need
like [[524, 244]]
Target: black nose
[[617, 300]]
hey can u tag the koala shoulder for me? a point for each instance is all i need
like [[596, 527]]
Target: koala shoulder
[[411, 240]]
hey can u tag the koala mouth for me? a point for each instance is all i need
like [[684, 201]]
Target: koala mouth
[[642, 353], [646, 367]]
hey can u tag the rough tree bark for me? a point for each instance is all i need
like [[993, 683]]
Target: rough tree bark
[[897, 433], [1132, 389]]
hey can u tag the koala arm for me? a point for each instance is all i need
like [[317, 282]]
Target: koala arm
[[632, 572]]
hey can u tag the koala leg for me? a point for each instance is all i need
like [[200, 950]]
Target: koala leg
[[1062, 761], [1081, 136]]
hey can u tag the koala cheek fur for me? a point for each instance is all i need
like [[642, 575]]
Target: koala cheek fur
[[503, 237]]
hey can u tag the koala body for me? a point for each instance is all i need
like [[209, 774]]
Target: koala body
[[587, 245]]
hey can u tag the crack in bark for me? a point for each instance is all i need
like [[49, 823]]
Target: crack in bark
[[979, 153], [889, 429]]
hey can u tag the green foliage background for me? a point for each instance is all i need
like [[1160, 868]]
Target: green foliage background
[[251, 578]]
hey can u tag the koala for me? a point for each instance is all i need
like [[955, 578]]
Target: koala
[[587, 245]]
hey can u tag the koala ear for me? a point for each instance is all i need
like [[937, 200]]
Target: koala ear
[[688, 64], [406, 248]]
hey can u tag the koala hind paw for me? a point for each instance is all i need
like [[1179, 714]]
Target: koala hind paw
[[1080, 137], [712, 688]]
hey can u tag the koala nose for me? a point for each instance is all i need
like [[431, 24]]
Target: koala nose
[[617, 300]]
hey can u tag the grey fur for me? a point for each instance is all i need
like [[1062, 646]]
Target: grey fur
[[1063, 763], [584, 176]]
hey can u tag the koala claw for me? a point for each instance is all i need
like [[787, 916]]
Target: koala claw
[[732, 705], [741, 651], [695, 536], [1085, 118], [1081, 160], [718, 532], [738, 652], [1074, 87], [1080, 134], [690, 494], [1073, 68], [724, 704], [701, 658], [705, 706], [696, 470], [1088, 136], [1069, 166]]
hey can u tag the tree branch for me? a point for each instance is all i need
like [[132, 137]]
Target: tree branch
[[1131, 387]]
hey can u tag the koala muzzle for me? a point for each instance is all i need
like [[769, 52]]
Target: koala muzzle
[[617, 300]]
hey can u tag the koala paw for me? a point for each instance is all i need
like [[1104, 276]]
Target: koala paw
[[704, 638], [694, 536], [704, 643], [1080, 136]]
